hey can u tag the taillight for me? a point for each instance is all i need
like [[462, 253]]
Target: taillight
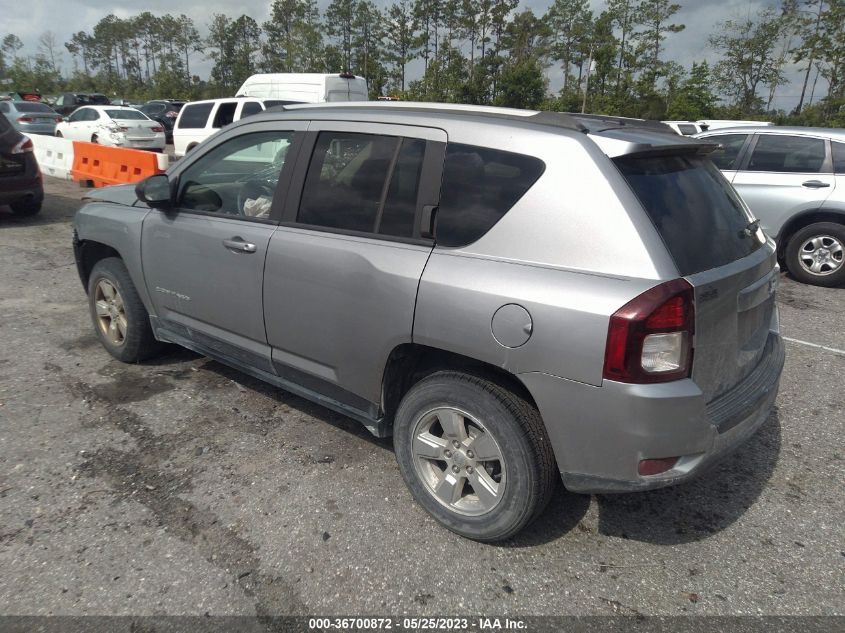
[[58, 119], [157, 129], [649, 339], [24, 146], [25, 119], [171, 115]]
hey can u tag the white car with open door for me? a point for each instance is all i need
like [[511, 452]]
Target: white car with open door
[[113, 125]]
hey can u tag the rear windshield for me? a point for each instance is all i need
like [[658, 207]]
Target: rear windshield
[[98, 99], [127, 115], [25, 106], [697, 213]]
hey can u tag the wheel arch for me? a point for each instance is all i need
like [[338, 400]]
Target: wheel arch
[[806, 218], [89, 253], [409, 363]]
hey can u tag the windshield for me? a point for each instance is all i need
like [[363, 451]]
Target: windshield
[[127, 115], [25, 106], [696, 211]]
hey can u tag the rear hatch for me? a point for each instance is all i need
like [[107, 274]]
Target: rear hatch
[[10, 164], [719, 249]]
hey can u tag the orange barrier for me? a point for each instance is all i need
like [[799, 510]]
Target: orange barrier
[[99, 165]]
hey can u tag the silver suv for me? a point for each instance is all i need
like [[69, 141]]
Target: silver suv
[[514, 296], [793, 179]]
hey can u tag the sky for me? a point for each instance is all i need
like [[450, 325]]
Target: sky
[[28, 20]]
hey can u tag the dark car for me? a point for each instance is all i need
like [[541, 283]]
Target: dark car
[[165, 112], [70, 101], [21, 185]]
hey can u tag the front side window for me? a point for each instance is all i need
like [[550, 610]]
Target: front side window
[[237, 178], [195, 116], [479, 186], [791, 154], [724, 157], [346, 180]]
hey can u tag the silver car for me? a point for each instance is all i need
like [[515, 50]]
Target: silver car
[[31, 117], [793, 179], [516, 297]]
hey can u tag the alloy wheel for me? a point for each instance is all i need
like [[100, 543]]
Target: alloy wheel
[[821, 255], [459, 461], [111, 313]]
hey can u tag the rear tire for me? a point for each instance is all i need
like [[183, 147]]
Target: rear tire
[[444, 428], [816, 254], [120, 319], [27, 207]]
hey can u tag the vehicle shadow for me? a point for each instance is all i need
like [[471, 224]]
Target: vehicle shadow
[[702, 507], [55, 210], [319, 412]]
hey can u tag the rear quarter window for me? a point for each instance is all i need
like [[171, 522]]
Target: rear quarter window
[[479, 186], [838, 157], [697, 213], [195, 116]]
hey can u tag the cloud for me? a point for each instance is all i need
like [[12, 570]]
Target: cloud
[[28, 20]]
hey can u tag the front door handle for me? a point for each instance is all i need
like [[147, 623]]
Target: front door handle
[[815, 184], [237, 244]]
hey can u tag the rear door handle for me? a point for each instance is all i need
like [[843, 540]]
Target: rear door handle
[[815, 184], [237, 244]]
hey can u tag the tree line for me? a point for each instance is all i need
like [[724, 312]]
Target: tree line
[[469, 51]]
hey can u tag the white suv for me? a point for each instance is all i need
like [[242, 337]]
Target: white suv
[[200, 119]]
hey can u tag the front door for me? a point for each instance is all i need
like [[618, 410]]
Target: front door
[[343, 269], [204, 260], [784, 176]]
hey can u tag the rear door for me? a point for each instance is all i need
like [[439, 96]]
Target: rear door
[[784, 175], [204, 261], [732, 267], [343, 268]]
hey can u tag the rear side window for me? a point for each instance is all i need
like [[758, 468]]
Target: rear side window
[[195, 116], [225, 114], [694, 209], [791, 154], [729, 146], [479, 186], [838, 157], [250, 107]]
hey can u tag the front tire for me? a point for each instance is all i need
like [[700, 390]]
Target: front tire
[[816, 254], [474, 454], [95, 139], [58, 134], [119, 316]]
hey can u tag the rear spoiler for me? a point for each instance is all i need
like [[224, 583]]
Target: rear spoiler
[[640, 142]]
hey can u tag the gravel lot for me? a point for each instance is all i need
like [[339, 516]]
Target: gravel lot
[[183, 487]]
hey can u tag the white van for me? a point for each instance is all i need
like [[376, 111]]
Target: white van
[[305, 87], [685, 128], [200, 119], [715, 124]]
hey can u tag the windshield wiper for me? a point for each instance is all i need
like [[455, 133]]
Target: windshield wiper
[[750, 229]]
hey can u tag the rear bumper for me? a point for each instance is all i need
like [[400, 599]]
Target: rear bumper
[[27, 184], [600, 434]]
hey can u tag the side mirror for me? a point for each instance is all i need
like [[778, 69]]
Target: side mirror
[[155, 192]]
